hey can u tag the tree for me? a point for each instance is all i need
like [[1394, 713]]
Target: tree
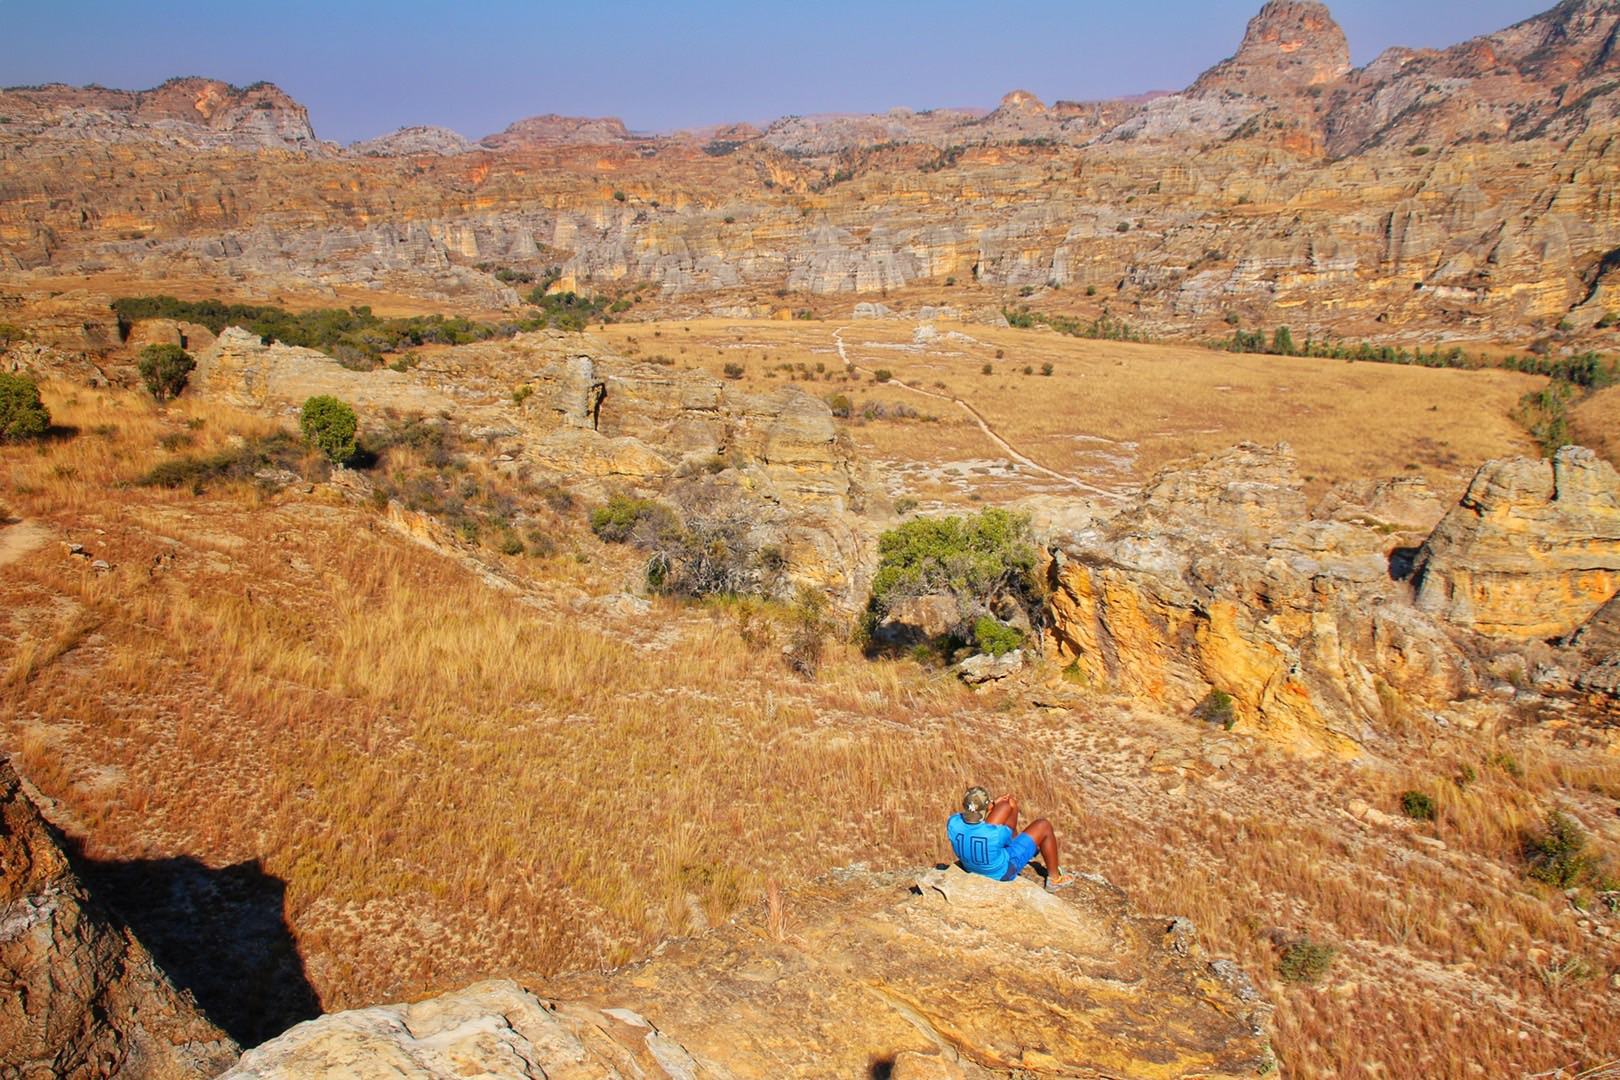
[[22, 414], [977, 559], [1282, 342], [329, 425], [165, 369]]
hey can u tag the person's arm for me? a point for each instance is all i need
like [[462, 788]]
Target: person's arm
[[1003, 811]]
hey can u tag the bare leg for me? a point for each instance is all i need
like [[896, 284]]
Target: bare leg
[[1040, 830]]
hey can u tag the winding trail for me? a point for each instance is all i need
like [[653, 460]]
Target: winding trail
[[18, 538], [984, 426]]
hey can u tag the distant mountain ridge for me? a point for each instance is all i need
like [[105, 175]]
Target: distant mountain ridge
[[1460, 194]]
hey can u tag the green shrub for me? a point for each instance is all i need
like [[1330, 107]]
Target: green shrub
[[1557, 855], [996, 638], [1305, 961], [22, 414], [1217, 708], [840, 405], [645, 523], [329, 425], [1047, 369], [233, 464], [165, 370], [978, 556], [1417, 806], [733, 370], [883, 375]]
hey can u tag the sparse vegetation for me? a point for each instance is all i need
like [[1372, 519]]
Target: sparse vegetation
[[1305, 961], [1558, 853]]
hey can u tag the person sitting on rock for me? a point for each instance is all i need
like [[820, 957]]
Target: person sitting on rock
[[982, 836]]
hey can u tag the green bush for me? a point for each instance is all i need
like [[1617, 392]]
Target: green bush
[[1417, 806], [1557, 855], [644, 523], [1305, 961], [1217, 708], [165, 370], [840, 405], [22, 414], [329, 425], [882, 375], [996, 638], [233, 464]]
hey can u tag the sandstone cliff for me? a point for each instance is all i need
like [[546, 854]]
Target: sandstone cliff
[[940, 975], [83, 998]]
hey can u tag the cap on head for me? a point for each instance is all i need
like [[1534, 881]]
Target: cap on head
[[974, 804]]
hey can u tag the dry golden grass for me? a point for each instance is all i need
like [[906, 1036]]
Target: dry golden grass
[[1113, 413], [457, 781], [1597, 422]]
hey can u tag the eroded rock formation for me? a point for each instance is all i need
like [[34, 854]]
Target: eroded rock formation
[[82, 997], [1465, 192], [1216, 582], [945, 975], [1531, 552]]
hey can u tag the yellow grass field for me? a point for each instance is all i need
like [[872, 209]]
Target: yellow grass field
[[1110, 414]]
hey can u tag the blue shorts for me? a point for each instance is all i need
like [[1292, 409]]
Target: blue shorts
[[1019, 852]]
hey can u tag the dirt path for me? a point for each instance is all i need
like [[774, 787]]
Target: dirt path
[[984, 426], [18, 538]]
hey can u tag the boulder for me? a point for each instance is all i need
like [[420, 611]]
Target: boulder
[[1532, 551], [83, 997]]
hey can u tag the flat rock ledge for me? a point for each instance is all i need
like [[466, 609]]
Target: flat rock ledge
[[933, 975]]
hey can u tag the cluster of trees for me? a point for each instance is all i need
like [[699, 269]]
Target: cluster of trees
[[1281, 343], [1103, 328], [360, 339]]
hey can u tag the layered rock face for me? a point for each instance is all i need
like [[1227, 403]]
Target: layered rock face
[[83, 997], [1324, 630], [1531, 553], [1216, 580], [944, 975], [1288, 46], [188, 113]]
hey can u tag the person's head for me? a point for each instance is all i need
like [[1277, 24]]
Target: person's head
[[974, 805]]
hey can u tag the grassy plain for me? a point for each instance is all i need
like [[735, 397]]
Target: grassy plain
[[1110, 413], [463, 766]]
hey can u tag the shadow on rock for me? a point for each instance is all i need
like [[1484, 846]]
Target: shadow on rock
[[221, 934]]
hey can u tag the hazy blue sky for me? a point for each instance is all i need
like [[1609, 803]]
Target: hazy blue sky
[[366, 67]]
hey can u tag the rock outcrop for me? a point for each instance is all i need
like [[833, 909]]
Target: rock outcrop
[[1324, 630], [1532, 551], [604, 423], [1216, 582], [1289, 46], [184, 114], [943, 975], [82, 997]]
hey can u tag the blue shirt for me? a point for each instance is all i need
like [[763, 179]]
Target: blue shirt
[[982, 847]]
